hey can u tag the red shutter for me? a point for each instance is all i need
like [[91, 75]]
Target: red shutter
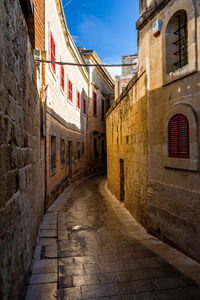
[[53, 53], [78, 100], [183, 133], [94, 103], [62, 78], [178, 135], [84, 106], [70, 94]]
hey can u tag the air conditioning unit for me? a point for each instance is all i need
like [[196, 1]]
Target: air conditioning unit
[[157, 27]]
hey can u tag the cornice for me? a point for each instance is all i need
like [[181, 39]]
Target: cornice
[[68, 39], [150, 12], [91, 54]]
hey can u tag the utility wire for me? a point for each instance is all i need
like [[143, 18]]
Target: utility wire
[[82, 65]]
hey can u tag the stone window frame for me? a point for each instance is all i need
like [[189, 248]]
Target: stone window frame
[[192, 163], [191, 67]]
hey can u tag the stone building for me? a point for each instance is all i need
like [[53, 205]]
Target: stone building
[[66, 105], [100, 96], [68, 91], [127, 73], [153, 127], [21, 147]]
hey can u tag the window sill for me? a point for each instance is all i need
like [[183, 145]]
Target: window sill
[[179, 74], [70, 102], [181, 163], [62, 91]]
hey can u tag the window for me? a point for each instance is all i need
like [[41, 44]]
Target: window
[[78, 100], [78, 150], [53, 152], [102, 109], [53, 53], [94, 103], [70, 91], [84, 106], [177, 42], [62, 78], [178, 137], [62, 151]]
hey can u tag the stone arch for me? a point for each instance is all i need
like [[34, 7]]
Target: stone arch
[[176, 38], [190, 10], [193, 119]]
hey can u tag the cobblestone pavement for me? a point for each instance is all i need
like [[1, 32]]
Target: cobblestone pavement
[[90, 247]]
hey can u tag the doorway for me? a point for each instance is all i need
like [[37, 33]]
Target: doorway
[[122, 180], [70, 158]]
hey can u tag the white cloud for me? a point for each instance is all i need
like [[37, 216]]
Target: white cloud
[[114, 71]]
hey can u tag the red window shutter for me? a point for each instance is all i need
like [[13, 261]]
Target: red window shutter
[[70, 94], [84, 106], [78, 100], [53, 53], [178, 137], [94, 103], [183, 134], [62, 78], [102, 109]]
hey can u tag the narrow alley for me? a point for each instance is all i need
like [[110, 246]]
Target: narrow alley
[[90, 247]]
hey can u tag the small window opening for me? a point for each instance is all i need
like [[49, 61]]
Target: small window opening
[[78, 150], [177, 42], [178, 137], [62, 151]]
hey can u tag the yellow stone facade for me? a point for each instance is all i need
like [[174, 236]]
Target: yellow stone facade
[[162, 192]]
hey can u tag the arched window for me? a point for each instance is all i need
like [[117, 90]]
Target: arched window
[[178, 137], [177, 42]]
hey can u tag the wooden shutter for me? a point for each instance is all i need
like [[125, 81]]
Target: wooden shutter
[[84, 106], [62, 78], [94, 103], [70, 94], [183, 135], [53, 53], [178, 137], [78, 100]]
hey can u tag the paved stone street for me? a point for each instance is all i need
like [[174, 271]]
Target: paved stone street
[[90, 247]]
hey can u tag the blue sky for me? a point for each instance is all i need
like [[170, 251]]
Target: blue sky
[[107, 26]]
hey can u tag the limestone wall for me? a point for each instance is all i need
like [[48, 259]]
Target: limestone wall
[[127, 140], [174, 189], [170, 207], [21, 157]]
